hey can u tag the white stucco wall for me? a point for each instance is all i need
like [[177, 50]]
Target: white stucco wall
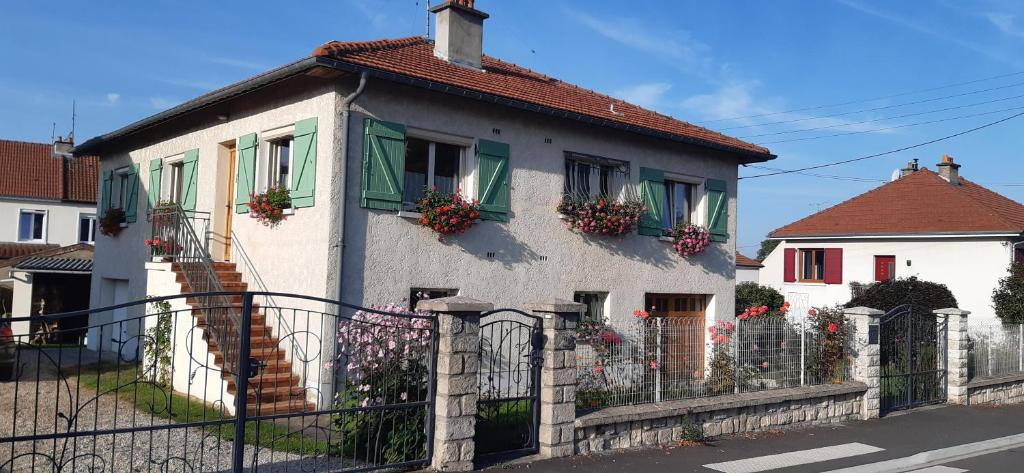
[[61, 219], [535, 257], [746, 274], [970, 267]]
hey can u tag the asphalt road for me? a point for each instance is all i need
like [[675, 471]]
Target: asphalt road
[[893, 437]]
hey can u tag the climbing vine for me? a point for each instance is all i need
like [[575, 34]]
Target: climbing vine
[[158, 343]]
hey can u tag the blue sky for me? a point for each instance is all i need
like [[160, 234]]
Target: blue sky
[[705, 62]]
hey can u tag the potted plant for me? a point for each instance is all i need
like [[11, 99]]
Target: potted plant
[[110, 223], [689, 239], [600, 215], [269, 207], [447, 212]]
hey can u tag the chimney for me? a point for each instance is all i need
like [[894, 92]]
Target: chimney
[[63, 148], [949, 170], [460, 33], [910, 169]]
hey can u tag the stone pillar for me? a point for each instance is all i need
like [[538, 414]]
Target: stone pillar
[[458, 384], [558, 376], [956, 361], [867, 363]]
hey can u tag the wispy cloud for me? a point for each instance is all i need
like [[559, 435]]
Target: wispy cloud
[[190, 84], [943, 34], [113, 98], [1006, 23], [372, 11], [235, 62], [647, 95], [163, 103], [677, 47]]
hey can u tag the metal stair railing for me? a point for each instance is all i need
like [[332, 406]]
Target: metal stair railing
[[175, 239]]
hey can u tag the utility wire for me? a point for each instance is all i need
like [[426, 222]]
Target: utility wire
[[852, 102], [875, 109], [885, 153], [823, 176], [906, 125], [915, 114]]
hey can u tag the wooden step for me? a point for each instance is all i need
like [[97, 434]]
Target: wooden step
[[228, 276], [280, 407], [254, 341], [266, 379]]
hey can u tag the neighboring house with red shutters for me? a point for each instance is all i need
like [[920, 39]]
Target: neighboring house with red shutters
[[937, 226]]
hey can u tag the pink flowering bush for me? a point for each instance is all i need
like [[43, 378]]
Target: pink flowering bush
[[721, 374], [600, 215], [689, 239], [384, 356], [826, 361]]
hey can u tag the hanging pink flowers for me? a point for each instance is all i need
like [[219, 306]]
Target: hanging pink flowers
[[689, 239], [600, 215]]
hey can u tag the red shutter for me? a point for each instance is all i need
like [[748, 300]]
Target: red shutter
[[833, 265], [789, 265]]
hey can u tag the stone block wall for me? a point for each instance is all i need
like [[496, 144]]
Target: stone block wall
[[996, 391], [665, 423]]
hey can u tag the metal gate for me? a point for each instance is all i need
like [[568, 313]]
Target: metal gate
[[225, 381], [912, 347], [508, 411]]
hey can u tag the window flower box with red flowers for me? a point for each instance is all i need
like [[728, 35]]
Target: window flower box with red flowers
[[271, 207], [689, 239], [112, 222], [447, 213], [600, 215]]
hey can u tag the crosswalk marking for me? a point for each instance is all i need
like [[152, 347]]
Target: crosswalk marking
[[940, 456], [940, 469], [790, 459]]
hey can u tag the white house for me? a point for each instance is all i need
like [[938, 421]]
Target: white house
[[357, 129], [747, 269], [937, 226]]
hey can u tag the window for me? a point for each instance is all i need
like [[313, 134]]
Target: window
[[32, 225], [676, 305], [1019, 257], [592, 176], [176, 176], [279, 162], [417, 294], [430, 164], [595, 302], [121, 190], [87, 228], [812, 265], [678, 204]]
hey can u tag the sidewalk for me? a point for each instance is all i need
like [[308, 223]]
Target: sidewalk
[[893, 437]]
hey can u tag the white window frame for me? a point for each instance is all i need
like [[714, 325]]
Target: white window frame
[[263, 171], [46, 224], [167, 187], [92, 227], [698, 196], [467, 167], [117, 188]]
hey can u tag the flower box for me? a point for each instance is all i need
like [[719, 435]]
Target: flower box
[[600, 215]]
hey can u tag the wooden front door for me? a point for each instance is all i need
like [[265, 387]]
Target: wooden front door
[[885, 268], [682, 336], [230, 204]]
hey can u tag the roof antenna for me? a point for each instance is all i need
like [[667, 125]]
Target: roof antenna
[[428, 19], [71, 137], [53, 132]]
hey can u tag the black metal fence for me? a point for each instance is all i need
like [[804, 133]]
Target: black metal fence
[[319, 386]]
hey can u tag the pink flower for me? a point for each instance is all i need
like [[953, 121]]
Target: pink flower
[[764, 365], [653, 364], [832, 327], [812, 312], [696, 374]]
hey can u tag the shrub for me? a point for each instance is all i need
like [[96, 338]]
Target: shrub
[[599, 215], [826, 359], [888, 295], [1008, 296], [752, 294], [110, 223], [447, 212]]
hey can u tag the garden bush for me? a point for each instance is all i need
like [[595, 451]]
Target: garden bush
[[888, 295], [752, 294], [1008, 296]]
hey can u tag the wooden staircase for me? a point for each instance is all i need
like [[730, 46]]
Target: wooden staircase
[[276, 389]]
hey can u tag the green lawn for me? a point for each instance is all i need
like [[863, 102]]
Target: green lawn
[[149, 399], [503, 426]]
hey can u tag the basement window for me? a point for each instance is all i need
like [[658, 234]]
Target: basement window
[[595, 302], [417, 294]]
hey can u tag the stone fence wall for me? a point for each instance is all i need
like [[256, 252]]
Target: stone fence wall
[[997, 390]]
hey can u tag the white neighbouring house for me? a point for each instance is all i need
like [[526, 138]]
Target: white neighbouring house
[[357, 129], [937, 226], [747, 269]]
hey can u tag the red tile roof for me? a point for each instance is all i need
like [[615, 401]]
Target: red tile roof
[[30, 171], [745, 261], [921, 203], [15, 250], [414, 57]]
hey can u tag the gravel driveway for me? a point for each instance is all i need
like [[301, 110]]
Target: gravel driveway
[[162, 448]]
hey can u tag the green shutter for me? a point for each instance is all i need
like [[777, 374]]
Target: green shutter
[[383, 164], [304, 163], [494, 194], [189, 171], [718, 209], [156, 167], [108, 183], [132, 196], [652, 192], [246, 177]]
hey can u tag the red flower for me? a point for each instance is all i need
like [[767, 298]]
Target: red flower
[[833, 328]]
